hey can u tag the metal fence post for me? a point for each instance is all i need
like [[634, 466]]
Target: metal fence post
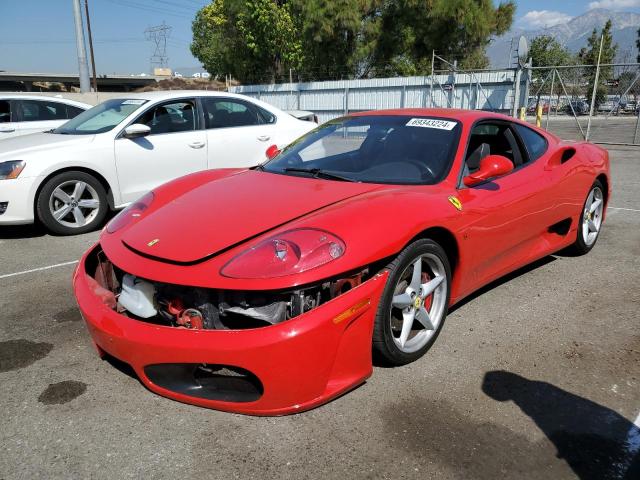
[[346, 100], [433, 59], [636, 139], [553, 79], [516, 91], [595, 90]]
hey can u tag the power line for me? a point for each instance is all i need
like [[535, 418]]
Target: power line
[[148, 8]]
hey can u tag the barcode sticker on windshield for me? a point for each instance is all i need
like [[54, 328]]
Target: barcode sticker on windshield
[[133, 102], [431, 123]]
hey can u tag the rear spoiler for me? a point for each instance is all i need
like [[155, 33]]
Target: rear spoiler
[[303, 115]]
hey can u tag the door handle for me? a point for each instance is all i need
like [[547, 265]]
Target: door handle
[[264, 138], [196, 144], [7, 130]]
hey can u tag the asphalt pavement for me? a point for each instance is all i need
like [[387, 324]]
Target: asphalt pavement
[[536, 376]]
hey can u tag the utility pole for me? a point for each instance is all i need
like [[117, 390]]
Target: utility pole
[[93, 60], [83, 69]]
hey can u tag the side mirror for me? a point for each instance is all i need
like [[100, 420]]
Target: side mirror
[[491, 166], [272, 152], [137, 130]]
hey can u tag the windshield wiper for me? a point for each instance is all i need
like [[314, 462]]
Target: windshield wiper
[[318, 173]]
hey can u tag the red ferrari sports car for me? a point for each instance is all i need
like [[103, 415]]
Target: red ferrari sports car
[[268, 290]]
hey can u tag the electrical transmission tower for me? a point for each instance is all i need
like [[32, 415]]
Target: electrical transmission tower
[[158, 35]]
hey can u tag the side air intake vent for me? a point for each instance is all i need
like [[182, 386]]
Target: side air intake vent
[[567, 155]]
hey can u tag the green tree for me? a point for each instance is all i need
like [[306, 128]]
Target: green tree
[[546, 51], [343, 38], [589, 56], [456, 29], [339, 36], [253, 40]]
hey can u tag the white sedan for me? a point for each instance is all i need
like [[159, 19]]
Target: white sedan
[[21, 114], [112, 154]]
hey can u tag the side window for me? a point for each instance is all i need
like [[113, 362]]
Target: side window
[[492, 139], [5, 111], [73, 111], [40, 111], [170, 117], [535, 143], [228, 112]]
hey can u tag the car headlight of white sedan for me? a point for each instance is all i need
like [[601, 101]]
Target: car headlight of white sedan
[[11, 169]]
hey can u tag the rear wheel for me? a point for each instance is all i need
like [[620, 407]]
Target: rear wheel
[[590, 220], [72, 203], [413, 305]]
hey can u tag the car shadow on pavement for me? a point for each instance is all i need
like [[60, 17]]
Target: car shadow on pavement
[[11, 232], [596, 442]]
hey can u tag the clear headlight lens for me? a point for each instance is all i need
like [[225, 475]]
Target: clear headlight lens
[[11, 169], [130, 213], [291, 252]]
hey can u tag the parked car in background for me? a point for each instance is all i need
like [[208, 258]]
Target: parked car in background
[[610, 107], [110, 155], [22, 114], [580, 107], [304, 115]]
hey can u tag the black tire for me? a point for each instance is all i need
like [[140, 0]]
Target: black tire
[[580, 247], [385, 350], [45, 215]]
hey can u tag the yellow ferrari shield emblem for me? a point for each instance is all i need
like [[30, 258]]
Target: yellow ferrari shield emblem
[[455, 202], [153, 242], [417, 303]]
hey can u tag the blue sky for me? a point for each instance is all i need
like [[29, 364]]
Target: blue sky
[[38, 35]]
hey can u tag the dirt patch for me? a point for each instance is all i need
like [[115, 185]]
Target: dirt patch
[[62, 392], [17, 354]]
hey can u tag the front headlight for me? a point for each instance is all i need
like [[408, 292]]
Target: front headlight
[[295, 251], [11, 169]]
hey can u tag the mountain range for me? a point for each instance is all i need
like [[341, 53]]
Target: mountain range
[[574, 35]]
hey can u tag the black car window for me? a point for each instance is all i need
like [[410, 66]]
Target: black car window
[[228, 112], [5, 111], [73, 111], [535, 143], [39, 111], [170, 117], [489, 139]]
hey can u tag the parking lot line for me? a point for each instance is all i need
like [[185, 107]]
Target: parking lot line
[[38, 269], [625, 209]]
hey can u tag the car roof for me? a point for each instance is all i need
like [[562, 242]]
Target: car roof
[[59, 99], [169, 94], [452, 113]]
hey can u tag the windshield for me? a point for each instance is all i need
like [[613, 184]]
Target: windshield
[[101, 118], [373, 149]]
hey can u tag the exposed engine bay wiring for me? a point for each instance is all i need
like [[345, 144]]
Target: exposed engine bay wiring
[[201, 308]]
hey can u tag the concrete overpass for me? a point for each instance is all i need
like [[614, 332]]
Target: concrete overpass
[[23, 82]]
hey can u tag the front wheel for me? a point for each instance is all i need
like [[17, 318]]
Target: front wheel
[[413, 305], [72, 203]]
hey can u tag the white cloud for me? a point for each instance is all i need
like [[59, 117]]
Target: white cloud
[[614, 4], [545, 18]]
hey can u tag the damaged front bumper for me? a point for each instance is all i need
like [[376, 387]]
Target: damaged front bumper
[[273, 370]]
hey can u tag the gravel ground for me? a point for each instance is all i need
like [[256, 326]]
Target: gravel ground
[[536, 376]]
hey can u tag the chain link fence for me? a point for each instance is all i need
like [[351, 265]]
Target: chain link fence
[[587, 102]]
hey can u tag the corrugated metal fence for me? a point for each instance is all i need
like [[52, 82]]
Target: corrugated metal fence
[[483, 90]]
